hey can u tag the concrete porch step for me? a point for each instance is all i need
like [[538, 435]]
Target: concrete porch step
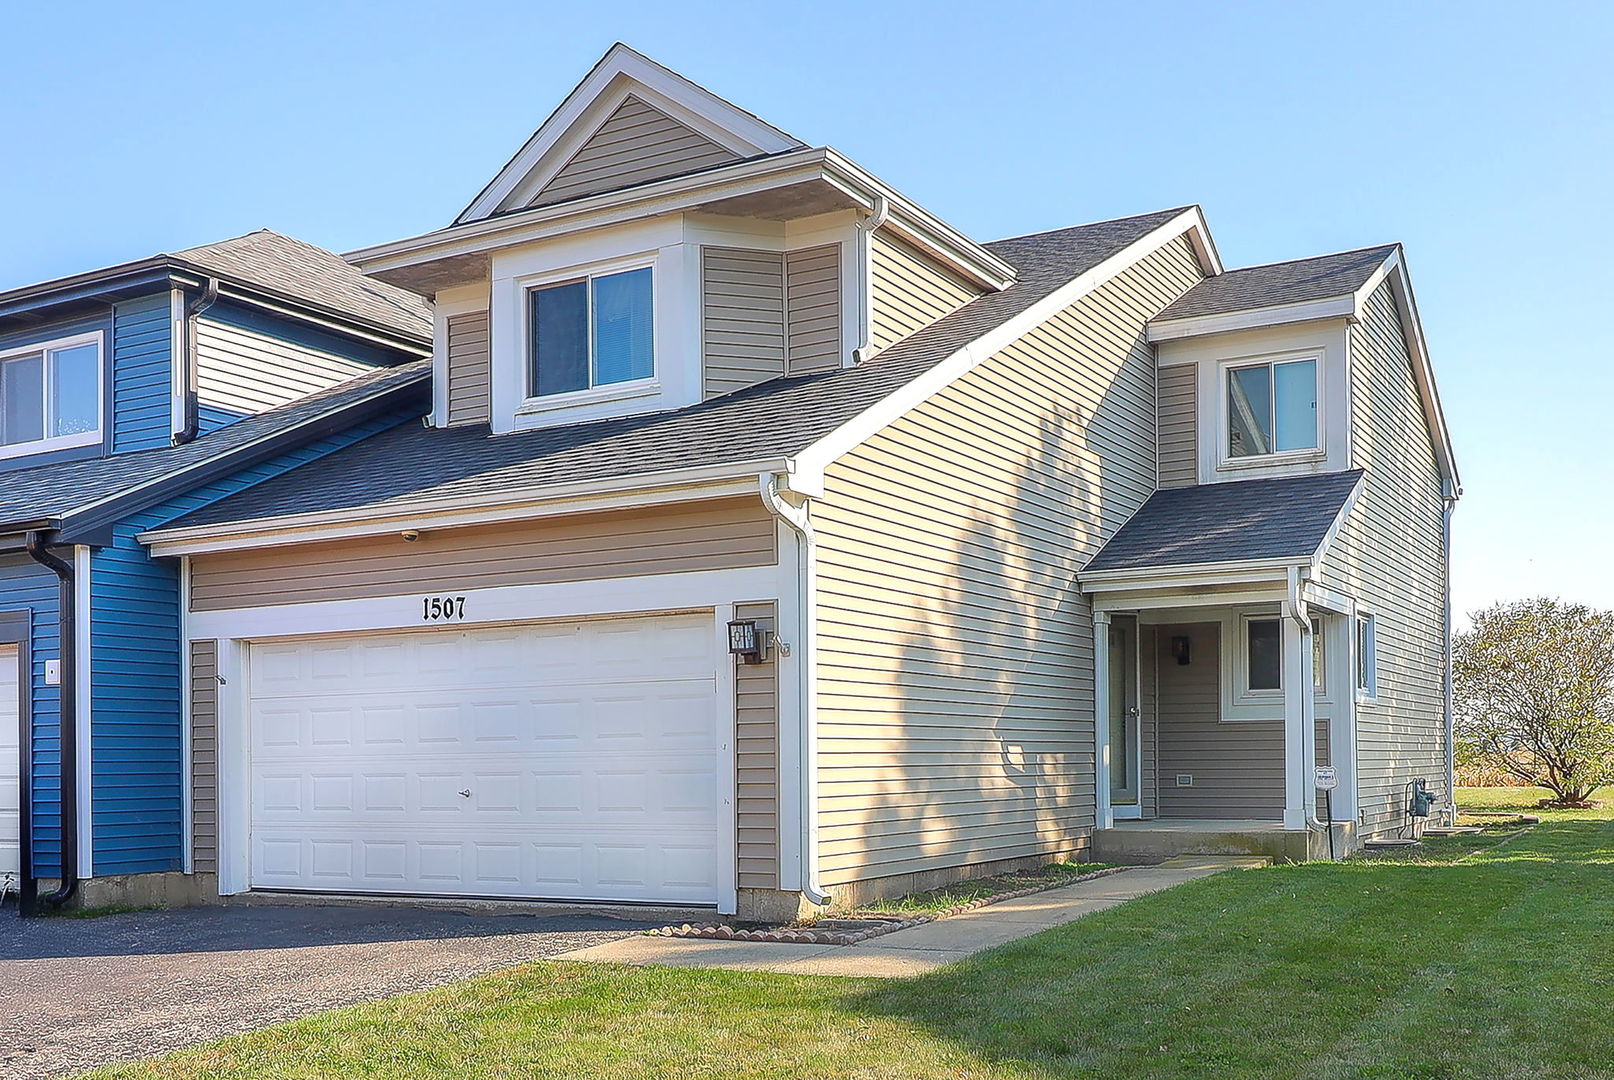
[[1160, 839]]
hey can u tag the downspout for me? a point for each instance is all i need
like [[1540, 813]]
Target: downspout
[[193, 410], [1295, 608], [866, 230], [1450, 504], [805, 650], [66, 601]]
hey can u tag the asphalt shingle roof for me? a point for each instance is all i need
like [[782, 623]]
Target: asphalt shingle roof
[[1275, 284], [1244, 519], [298, 269], [778, 418], [57, 490]]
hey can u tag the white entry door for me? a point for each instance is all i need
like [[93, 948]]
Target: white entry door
[[10, 764], [568, 760]]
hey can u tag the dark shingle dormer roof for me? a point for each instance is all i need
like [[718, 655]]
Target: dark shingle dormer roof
[[297, 269], [769, 421], [1278, 284], [1216, 523]]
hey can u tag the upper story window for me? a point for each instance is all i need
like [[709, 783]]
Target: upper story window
[[1272, 407], [591, 332], [50, 395]]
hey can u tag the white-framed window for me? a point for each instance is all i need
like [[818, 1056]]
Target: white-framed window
[[50, 395], [1270, 408], [591, 333], [1260, 661], [1367, 656], [1253, 665]]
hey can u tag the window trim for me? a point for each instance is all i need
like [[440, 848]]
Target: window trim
[[532, 403], [1365, 652], [1243, 692], [1242, 705], [1224, 376], [49, 443]]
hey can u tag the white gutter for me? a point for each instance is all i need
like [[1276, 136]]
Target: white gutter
[[806, 653], [1450, 502], [1294, 607]]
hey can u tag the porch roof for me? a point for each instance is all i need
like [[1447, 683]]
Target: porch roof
[[1232, 522]]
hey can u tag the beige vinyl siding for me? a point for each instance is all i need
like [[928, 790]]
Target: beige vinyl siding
[[955, 663], [813, 306], [743, 317], [242, 372], [714, 534], [204, 681], [1237, 765], [1389, 555], [908, 291], [470, 369], [1149, 653], [1179, 437], [756, 761], [636, 144]]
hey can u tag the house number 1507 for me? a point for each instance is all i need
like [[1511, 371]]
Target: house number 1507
[[442, 608]]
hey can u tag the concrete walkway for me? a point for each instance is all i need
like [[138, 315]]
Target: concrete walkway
[[921, 948]]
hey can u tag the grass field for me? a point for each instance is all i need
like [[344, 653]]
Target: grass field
[[1487, 956]]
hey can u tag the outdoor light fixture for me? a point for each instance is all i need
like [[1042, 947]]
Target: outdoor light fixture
[[1179, 649], [747, 641]]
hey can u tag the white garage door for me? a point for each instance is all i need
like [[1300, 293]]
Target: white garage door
[[564, 760], [10, 766]]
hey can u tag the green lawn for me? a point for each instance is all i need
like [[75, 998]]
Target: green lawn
[[1492, 964]]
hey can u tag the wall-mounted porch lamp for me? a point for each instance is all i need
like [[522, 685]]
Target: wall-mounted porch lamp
[[1179, 649], [748, 642]]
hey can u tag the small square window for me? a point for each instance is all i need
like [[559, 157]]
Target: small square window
[[1272, 408], [591, 332], [50, 395]]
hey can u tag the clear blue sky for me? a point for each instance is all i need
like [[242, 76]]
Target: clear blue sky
[[1480, 135]]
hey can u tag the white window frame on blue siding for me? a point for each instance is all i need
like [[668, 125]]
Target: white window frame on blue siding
[[49, 353], [532, 401], [1318, 450]]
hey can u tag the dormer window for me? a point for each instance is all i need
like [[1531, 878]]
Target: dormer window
[[591, 332], [50, 395], [1272, 408]]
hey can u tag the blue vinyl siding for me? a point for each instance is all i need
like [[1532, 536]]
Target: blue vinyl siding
[[27, 586], [142, 374], [136, 657]]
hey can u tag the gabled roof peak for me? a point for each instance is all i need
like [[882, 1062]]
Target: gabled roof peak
[[704, 128]]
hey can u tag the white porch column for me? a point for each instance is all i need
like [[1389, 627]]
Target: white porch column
[[1104, 815], [1299, 726]]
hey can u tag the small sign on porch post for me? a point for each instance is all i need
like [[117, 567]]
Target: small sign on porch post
[[1327, 779]]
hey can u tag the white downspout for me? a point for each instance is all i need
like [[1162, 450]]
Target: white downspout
[[806, 652], [865, 276], [1451, 705]]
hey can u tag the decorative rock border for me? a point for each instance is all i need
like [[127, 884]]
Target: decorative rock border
[[832, 935]]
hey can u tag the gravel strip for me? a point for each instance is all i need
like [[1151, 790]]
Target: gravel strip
[[77, 993]]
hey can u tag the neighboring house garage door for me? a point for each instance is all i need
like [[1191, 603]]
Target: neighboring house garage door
[[564, 760], [10, 767]]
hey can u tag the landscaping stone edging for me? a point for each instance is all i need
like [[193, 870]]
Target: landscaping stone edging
[[807, 935]]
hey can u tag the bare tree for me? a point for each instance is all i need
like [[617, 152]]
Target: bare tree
[[1535, 694]]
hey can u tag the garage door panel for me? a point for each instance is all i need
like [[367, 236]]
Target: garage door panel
[[574, 760]]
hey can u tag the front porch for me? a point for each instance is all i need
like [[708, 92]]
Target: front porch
[[1219, 701]]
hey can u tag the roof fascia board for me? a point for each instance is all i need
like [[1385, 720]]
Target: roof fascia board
[[811, 463], [101, 512], [640, 489], [1338, 523], [744, 133], [1332, 307], [1181, 575], [93, 285], [606, 208], [344, 325]]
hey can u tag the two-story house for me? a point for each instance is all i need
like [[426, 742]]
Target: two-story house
[[129, 396], [772, 542]]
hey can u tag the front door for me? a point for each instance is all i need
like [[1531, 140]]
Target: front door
[[1126, 774]]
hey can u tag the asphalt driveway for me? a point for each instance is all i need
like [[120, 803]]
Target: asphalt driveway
[[76, 993]]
